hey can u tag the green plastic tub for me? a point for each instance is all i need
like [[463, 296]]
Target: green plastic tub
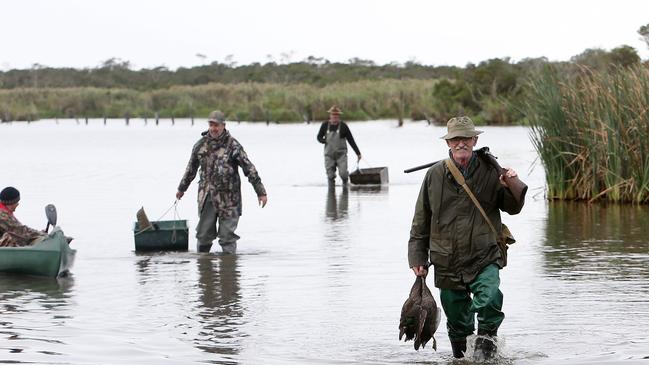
[[165, 236]]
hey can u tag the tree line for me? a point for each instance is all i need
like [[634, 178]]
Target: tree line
[[491, 91]]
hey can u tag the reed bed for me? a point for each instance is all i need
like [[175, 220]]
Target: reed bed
[[592, 134], [360, 100]]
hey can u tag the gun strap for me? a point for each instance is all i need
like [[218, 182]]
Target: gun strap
[[460, 180]]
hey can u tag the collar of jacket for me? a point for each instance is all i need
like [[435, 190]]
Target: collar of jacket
[[4, 207], [220, 139], [473, 163]]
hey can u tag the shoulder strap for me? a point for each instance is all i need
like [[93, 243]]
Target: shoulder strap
[[460, 180]]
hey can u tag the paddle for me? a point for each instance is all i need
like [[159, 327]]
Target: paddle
[[50, 213]]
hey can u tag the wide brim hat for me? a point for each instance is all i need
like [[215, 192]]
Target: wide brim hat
[[460, 127], [334, 110]]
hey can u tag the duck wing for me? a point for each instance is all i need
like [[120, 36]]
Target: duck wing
[[410, 312]]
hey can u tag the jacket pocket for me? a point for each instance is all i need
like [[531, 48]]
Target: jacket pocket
[[440, 253]]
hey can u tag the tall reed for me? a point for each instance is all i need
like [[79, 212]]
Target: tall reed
[[591, 132], [360, 100]]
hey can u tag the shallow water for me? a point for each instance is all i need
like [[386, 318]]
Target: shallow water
[[321, 274]]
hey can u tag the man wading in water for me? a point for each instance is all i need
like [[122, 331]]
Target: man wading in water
[[219, 156], [449, 229], [335, 135]]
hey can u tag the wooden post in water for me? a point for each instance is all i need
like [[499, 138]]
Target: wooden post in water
[[173, 122], [157, 117], [127, 117], [86, 120], [104, 119]]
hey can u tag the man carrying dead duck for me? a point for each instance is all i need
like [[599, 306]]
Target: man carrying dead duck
[[460, 236]]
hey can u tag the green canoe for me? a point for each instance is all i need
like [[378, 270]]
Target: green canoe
[[51, 257]]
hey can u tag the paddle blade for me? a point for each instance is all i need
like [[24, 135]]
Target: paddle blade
[[50, 213]]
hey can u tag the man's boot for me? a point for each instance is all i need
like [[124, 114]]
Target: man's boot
[[485, 348], [229, 248], [459, 347], [203, 248]]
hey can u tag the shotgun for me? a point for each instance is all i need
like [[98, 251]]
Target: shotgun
[[517, 187]]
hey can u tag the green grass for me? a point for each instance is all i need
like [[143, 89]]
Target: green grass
[[360, 100]]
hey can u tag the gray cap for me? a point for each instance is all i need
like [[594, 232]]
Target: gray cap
[[216, 116], [460, 127]]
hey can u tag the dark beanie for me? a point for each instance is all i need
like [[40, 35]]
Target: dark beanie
[[9, 195]]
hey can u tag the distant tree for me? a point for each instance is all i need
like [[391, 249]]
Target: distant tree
[[361, 62], [624, 56], [115, 63], [644, 33], [593, 58]]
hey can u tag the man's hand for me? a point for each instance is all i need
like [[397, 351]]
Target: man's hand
[[179, 194], [262, 200], [420, 270], [508, 174]]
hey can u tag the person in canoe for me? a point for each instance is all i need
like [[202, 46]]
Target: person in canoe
[[12, 232], [219, 155], [335, 135], [451, 232]]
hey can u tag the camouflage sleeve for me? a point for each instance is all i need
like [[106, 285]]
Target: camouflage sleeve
[[191, 170], [18, 231], [248, 168], [420, 229]]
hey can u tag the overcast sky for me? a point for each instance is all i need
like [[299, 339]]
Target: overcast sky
[[84, 33]]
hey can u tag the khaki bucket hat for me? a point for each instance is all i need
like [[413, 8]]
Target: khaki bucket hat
[[334, 110], [460, 127]]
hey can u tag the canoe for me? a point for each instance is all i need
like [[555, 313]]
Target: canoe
[[371, 176], [51, 257]]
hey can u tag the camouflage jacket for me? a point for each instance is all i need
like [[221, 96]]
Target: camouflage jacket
[[218, 160], [448, 229], [13, 233]]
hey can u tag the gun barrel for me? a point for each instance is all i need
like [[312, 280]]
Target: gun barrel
[[420, 167]]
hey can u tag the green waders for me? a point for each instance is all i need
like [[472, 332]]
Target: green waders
[[460, 309]]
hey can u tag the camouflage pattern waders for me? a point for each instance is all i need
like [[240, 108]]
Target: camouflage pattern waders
[[206, 230], [335, 153]]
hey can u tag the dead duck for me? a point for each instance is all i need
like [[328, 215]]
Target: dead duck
[[420, 315], [428, 318], [410, 312]]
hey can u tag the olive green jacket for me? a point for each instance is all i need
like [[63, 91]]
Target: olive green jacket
[[449, 229]]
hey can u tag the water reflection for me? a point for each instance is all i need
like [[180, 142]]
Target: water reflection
[[221, 311], [337, 207], [50, 292], [591, 240], [46, 300]]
